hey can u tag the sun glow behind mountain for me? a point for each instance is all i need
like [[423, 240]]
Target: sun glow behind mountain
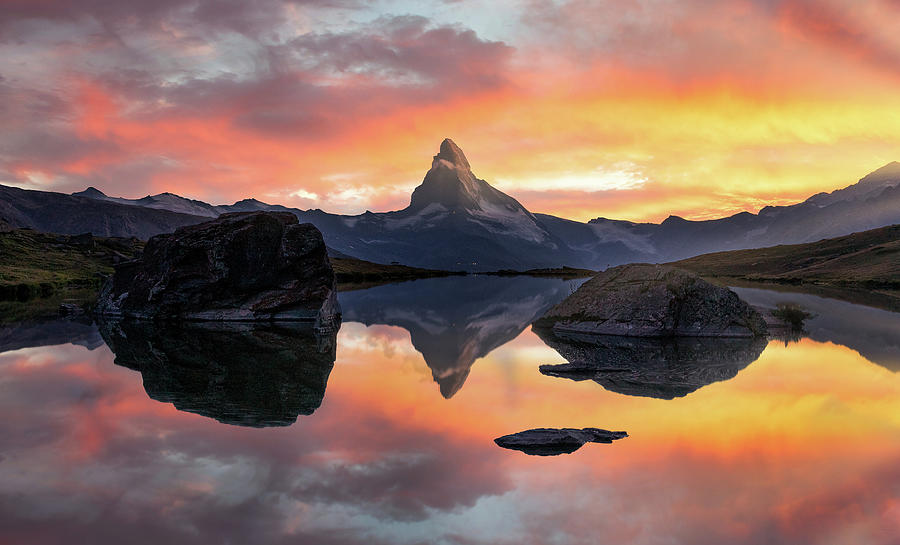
[[632, 110]]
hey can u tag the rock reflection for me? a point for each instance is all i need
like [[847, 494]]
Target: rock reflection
[[556, 441], [456, 320], [243, 374], [658, 368]]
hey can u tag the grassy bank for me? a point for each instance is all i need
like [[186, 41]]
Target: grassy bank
[[557, 272], [863, 267], [38, 271], [353, 274]]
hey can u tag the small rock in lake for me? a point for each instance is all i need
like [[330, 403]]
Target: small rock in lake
[[70, 309], [555, 441]]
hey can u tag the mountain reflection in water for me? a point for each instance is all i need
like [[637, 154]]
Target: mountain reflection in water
[[456, 320], [872, 332], [245, 374], [79, 330]]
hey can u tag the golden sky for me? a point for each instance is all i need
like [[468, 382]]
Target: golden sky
[[623, 109]]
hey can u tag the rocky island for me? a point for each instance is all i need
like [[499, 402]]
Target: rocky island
[[644, 300], [652, 330], [238, 267]]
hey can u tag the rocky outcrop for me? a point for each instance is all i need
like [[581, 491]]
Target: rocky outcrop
[[245, 374], [654, 301], [241, 266], [553, 441], [662, 368]]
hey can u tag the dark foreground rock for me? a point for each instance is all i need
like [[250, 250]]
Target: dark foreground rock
[[244, 374], [654, 301], [241, 266], [553, 441], [660, 368]]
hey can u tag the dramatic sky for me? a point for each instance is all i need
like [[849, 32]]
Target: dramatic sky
[[629, 109]]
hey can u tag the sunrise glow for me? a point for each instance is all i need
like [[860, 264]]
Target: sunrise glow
[[631, 110]]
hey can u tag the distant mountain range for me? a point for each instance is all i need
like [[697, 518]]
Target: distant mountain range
[[456, 221]]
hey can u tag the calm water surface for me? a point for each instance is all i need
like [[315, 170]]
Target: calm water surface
[[394, 443]]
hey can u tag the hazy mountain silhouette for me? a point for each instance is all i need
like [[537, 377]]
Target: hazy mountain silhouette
[[872, 202], [454, 321], [457, 221]]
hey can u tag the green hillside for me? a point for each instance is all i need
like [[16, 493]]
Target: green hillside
[[870, 260]]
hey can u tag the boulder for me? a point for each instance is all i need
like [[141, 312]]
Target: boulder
[[643, 300], [238, 267], [553, 441]]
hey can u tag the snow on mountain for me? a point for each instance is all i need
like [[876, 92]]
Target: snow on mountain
[[162, 201]]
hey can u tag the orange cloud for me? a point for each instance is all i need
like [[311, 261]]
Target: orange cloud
[[714, 109]]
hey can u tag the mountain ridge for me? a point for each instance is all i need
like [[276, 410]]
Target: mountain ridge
[[456, 221]]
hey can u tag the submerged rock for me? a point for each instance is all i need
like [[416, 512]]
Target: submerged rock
[[244, 374], [654, 301], [554, 441], [240, 266], [663, 368]]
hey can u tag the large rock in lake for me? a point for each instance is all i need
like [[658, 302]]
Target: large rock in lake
[[241, 266], [643, 300]]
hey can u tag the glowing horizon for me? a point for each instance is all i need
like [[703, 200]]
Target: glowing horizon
[[628, 110]]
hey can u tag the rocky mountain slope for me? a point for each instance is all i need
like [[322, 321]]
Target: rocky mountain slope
[[454, 221], [71, 215]]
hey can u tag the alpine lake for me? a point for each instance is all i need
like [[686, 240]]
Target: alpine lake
[[383, 432]]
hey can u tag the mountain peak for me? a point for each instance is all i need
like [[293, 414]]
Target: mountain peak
[[91, 193], [870, 186], [449, 182], [452, 153], [889, 171], [451, 190]]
